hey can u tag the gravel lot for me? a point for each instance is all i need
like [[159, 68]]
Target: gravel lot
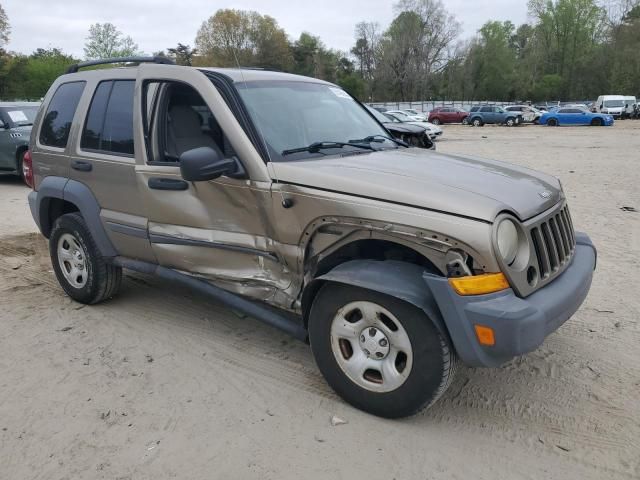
[[161, 383]]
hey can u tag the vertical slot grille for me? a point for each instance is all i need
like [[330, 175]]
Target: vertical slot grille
[[554, 243]]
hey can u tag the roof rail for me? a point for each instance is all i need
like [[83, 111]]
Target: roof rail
[[157, 59]]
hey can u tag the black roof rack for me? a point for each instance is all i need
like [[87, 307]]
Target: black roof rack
[[157, 59]]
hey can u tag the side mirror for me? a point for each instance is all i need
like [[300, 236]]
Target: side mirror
[[204, 163]]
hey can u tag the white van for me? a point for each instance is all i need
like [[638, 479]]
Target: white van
[[611, 104]]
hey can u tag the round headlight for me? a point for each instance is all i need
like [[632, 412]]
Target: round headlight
[[507, 237]]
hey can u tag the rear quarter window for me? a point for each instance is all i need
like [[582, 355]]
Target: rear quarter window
[[57, 121]]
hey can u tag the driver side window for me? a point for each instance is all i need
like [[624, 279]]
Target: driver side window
[[177, 120]]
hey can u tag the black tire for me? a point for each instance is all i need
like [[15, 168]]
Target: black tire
[[102, 279], [510, 122], [596, 122], [552, 122], [433, 360], [19, 162], [436, 121], [477, 122], [465, 121]]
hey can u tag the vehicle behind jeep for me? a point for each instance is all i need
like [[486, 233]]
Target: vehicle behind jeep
[[492, 114], [16, 119], [283, 197]]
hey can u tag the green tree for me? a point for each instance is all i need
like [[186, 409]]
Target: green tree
[[106, 41], [232, 37], [496, 68], [569, 32], [182, 54], [5, 28]]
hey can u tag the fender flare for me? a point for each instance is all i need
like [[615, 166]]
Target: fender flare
[[78, 194], [397, 279]]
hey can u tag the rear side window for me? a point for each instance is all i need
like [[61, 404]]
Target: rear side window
[[56, 124], [109, 124]]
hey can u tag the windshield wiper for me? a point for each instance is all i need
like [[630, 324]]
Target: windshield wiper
[[379, 139], [317, 146]]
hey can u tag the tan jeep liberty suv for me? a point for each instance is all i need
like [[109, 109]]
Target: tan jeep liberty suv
[[284, 198]]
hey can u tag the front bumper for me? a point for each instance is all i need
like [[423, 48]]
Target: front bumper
[[520, 325]]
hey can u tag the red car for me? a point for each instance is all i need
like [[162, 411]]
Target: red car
[[441, 115]]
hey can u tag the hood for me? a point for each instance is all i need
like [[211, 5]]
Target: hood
[[464, 186]]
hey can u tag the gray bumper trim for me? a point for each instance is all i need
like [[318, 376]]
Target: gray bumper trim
[[34, 206], [520, 324]]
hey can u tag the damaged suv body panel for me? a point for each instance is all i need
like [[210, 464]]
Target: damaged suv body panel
[[280, 203]]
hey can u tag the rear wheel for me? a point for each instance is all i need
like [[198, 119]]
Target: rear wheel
[[477, 122], [465, 121], [436, 121], [80, 269], [377, 352], [510, 122], [596, 122], [552, 122]]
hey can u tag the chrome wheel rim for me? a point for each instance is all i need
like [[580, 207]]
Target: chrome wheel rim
[[371, 346], [73, 260]]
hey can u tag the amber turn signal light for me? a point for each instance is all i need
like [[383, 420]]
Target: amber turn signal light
[[479, 284], [485, 335]]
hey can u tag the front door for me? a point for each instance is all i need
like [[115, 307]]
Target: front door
[[214, 229]]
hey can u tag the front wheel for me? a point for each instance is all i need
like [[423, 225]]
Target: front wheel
[[596, 122], [511, 122], [477, 122], [379, 353], [465, 121], [552, 122], [80, 269], [19, 163], [436, 121]]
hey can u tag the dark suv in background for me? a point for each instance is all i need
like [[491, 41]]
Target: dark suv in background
[[482, 114]]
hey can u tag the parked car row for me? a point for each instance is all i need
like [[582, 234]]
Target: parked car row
[[513, 115]]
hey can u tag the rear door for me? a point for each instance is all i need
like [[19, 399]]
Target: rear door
[[103, 159], [487, 114], [447, 116], [216, 229]]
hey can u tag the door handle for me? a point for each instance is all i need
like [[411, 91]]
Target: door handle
[[160, 183], [81, 166]]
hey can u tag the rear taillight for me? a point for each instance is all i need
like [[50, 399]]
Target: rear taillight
[[27, 169]]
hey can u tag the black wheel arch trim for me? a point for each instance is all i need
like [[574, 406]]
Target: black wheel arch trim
[[397, 279], [78, 194]]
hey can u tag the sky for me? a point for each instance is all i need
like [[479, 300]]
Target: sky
[[160, 24]]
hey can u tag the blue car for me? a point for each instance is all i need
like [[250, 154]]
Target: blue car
[[575, 116]]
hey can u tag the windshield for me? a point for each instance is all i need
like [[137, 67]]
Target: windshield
[[613, 103], [379, 116], [294, 115], [401, 116], [21, 116]]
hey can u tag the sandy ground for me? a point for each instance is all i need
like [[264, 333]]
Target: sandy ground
[[160, 383]]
